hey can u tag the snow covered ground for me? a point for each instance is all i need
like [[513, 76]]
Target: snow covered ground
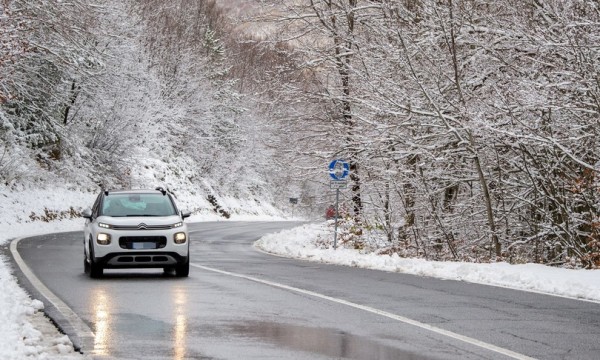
[[26, 333]]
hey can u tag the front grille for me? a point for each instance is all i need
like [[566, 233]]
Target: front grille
[[145, 227], [137, 260], [142, 242]]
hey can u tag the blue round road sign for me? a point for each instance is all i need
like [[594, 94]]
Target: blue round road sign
[[339, 169]]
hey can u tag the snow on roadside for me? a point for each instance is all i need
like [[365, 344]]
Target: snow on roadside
[[25, 332], [301, 242]]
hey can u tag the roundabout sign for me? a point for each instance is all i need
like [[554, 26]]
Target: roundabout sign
[[339, 170]]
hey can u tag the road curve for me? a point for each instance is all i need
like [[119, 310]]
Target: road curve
[[239, 303]]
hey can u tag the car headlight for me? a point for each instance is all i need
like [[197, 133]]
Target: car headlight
[[176, 225], [180, 238], [104, 226], [103, 239]]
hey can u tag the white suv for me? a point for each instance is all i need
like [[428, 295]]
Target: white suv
[[135, 229]]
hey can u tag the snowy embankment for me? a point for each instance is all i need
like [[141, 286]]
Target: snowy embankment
[[305, 242], [25, 332]]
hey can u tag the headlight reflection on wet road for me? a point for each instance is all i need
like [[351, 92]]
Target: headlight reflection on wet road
[[180, 328], [101, 315]]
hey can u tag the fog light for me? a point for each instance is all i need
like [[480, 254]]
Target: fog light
[[103, 239], [179, 238]]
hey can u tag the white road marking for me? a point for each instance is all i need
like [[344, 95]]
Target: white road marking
[[79, 327], [389, 315]]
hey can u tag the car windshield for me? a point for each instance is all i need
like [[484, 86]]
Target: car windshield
[[137, 205]]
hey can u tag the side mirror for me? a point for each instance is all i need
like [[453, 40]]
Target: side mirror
[[87, 213], [185, 214]]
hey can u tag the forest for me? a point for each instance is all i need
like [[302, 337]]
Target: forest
[[471, 126]]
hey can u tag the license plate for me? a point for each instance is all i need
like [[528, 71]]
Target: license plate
[[143, 245]]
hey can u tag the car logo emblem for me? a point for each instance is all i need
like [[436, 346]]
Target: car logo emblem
[[142, 226]]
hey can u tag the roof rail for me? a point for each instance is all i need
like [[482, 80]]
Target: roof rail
[[163, 191]]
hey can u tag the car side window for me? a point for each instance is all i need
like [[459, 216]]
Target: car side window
[[96, 205], [172, 201]]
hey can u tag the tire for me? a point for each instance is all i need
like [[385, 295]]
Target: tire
[[183, 270], [96, 270], [86, 265]]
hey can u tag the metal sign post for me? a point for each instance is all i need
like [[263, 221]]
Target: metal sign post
[[338, 170], [337, 210]]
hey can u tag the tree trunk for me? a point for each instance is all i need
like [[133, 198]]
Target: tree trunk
[[486, 197]]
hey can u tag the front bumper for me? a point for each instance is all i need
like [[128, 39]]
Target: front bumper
[[141, 259]]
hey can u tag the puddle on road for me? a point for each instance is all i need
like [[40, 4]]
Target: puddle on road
[[328, 342]]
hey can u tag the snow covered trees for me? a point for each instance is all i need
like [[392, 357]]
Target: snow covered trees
[[471, 126], [46, 50], [122, 93], [474, 123]]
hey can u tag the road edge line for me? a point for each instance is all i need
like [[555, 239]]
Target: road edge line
[[440, 331], [82, 331]]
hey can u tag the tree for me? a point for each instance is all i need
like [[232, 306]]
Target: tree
[[464, 116], [47, 51]]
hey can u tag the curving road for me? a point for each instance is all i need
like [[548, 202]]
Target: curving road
[[239, 303]]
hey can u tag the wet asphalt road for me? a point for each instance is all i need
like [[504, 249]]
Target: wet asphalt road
[[239, 303]]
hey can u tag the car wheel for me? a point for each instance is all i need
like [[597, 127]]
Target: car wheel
[[86, 264], [96, 270], [183, 270]]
